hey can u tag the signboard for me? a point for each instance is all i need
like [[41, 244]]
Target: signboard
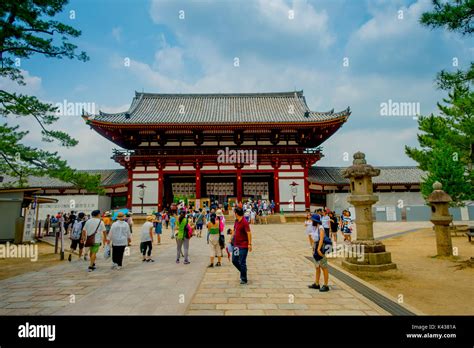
[[29, 228], [391, 213]]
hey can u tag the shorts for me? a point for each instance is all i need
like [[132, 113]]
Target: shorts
[[214, 245], [199, 226], [95, 248], [323, 263], [75, 243], [158, 230]]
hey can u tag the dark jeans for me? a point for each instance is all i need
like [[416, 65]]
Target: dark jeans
[[117, 254], [144, 246], [326, 232], [239, 259]]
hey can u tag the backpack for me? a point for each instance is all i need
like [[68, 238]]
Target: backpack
[[221, 224], [188, 231], [76, 230], [326, 247]]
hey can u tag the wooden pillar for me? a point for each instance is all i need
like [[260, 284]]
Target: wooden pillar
[[276, 189], [129, 188], [198, 181], [161, 188], [239, 184], [307, 198]]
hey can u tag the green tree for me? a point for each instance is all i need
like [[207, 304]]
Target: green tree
[[447, 139], [27, 28]]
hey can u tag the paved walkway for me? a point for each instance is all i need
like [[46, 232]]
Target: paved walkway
[[278, 272]]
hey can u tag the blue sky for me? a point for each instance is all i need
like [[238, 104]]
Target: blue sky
[[390, 55]]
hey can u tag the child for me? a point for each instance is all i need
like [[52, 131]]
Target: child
[[229, 248], [308, 225], [347, 226], [173, 225]]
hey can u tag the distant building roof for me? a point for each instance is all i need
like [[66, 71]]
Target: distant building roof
[[232, 108], [388, 175], [109, 177], [319, 175]]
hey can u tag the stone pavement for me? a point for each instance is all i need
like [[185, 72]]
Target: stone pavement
[[278, 274], [162, 287]]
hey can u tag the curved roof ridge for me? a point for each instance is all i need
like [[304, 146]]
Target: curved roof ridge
[[217, 95]]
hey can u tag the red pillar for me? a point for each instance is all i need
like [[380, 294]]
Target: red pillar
[[198, 181], [130, 188], [276, 189], [239, 185], [306, 188], [161, 189]]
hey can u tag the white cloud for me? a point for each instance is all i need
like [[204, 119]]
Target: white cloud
[[33, 84], [393, 22], [381, 147], [299, 19]]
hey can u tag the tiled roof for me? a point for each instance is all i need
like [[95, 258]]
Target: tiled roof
[[109, 177], [151, 108], [388, 175]]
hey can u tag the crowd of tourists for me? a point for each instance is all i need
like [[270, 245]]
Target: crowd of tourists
[[114, 232]]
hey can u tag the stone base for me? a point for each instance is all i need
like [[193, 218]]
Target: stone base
[[376, 258], [368, 268]]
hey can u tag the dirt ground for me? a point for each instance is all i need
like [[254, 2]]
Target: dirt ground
[[15, 266], [431, 284]]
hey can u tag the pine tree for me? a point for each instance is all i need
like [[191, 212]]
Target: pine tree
[[27, 28], [447, 139]]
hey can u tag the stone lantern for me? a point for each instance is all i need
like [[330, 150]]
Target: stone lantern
[[440, 217], [370, 254]]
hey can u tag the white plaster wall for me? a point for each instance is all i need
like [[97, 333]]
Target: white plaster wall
[[285, 190], [151, 192]]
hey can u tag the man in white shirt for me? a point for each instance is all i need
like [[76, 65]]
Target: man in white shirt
[[120, 237], [94, 226]]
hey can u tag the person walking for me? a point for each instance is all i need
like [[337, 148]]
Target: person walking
[[199, 223], [213, 241], [158, 228], [47, 223], [94, 227], [166, 217], [241, 243], [334, 226], [75, 236], [326, 222], [182, 239], [308, 224], [146, 244], [321, 263], [120, 237], [173, 225], [107, 219]]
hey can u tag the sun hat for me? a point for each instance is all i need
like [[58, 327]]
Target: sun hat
[[120, 214], [316, 218], [150, 218], [219, 212]]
